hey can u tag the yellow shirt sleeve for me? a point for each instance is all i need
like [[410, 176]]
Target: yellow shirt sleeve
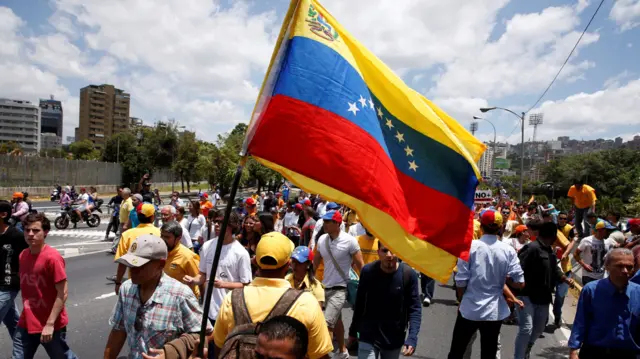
[[224, 323], [123, 246], [191, 268], [319, 339], [318, 291]]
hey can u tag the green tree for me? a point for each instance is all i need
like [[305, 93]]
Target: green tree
[[84, 150], [186, 159], [119, 146], [9, 147], [633, 208], [160, 143]]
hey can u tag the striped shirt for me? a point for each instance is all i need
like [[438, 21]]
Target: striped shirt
[[171, 311]]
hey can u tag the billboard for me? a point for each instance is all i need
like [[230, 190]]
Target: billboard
[[502, 163]]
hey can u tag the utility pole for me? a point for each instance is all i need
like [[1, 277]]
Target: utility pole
[[521, 154]]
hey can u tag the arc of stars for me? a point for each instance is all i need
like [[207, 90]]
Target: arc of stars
[[413, 166]]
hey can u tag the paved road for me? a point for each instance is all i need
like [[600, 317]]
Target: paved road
[[91, 301]]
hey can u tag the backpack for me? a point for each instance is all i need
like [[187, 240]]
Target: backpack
[[241, 342]]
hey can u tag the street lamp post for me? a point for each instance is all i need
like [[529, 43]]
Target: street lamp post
[[521, 118], [493, 162]]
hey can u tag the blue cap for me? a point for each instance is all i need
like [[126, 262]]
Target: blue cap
[[333, 216], [332, 206], [608, 225], [301, 254]]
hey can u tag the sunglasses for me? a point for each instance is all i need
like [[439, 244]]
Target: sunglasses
[[562, 218]]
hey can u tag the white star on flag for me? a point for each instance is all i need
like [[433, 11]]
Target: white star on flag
[[409, 151], [363, 101], [370, 103], [380, 112], [399, 136], [353, 108], [389, 124], [413, 166]]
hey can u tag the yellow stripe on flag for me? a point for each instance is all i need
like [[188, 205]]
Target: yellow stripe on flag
[[418, 253]]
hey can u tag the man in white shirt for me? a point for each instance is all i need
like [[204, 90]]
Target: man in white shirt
[[318, 230], [480, 282], [234, 268], [591, 251], [339, 251], [321, 209]]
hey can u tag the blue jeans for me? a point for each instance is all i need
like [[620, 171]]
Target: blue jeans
[[561, 292], [19, 226], [532, 319], [25, 345], [427, 285], [8, 313], [368, 351]]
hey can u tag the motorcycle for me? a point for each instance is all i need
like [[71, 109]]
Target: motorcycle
[[55, 195], [68, 215]]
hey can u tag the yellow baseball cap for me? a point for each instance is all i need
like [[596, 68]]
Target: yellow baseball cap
[[273, 251], [148, 210]]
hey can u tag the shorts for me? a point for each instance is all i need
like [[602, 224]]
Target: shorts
[[335, 299], [82, 208]]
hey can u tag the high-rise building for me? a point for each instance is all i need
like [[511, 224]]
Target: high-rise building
[[51, 117], [104, 112], [20, 122], [485, 165]]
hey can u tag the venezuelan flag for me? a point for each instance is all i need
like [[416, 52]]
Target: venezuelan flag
[[334, 120]]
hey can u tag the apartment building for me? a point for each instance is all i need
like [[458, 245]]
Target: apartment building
[[104, 112], [20, 122]]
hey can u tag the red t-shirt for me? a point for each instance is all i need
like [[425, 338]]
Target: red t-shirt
[[38, 275]]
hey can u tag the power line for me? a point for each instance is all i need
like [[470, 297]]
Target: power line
[[568, 57]]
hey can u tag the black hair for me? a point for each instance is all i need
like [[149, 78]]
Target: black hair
[[548, 230], [532, 207], [578, 181], [37, 217], [490, 229], [535, 223], [615, 214], [266, 220], [144, 219], [283, 327], [591, 215], [5, 207]]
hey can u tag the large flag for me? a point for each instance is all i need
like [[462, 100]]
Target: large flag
[[333, 119]]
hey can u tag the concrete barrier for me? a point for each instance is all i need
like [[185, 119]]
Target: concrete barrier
[[7, 192]]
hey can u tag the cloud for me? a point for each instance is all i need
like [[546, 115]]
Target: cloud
[[523, 60], [592, 114], [626, 13]]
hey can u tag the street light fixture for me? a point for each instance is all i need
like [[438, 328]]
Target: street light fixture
[[521, 118], [173, 151], [493, 162]]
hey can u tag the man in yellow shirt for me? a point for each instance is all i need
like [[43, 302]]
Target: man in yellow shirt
[[273, 256], [181, 261], [584, 199], [125, 207], [563, 246], [146, 215], [369, 248]]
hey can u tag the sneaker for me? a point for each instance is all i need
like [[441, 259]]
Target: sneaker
[[557, 323], [343, 355], [111, 278], [426, 302]]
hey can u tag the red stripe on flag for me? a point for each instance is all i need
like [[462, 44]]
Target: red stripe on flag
[[330, 149]]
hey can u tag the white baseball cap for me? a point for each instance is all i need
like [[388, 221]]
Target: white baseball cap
[[144, 249]]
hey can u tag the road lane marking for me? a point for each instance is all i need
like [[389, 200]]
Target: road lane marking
[[106, 295]]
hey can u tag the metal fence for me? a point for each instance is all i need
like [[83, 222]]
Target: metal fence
[[42, 171]]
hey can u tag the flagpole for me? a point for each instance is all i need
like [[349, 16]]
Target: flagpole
[[216, 257]]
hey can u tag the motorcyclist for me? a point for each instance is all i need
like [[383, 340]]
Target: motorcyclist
[[20, 209], [65, 199], [91, 201], [82, 202]]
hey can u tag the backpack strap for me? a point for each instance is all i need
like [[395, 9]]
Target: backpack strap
[[284, 303], [239, 307]]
